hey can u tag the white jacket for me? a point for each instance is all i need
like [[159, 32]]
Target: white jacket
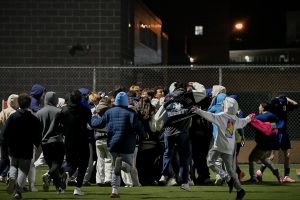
[[227, 123]]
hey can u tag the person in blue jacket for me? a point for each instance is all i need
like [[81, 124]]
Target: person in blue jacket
[[122, 124]]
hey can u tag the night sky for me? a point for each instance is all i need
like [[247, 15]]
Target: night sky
[[265, 19]]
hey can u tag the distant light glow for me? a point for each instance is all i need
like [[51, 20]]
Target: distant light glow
[[192, 59], [247, 58], [239, 26], [198, 30]]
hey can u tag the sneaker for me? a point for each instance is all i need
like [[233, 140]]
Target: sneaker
[[191, 182], [46, 182], [86, 183], [60, 191], [64, 180], [240, 194], [33, 189], [259, 175], [241, 175], [3, 179], [163, 179], [230, 184], [185, 187], [78, 192], [288, 179], [171, 182], [11, 187], [219, 180], [114, 195], [118, 166], [18, 196], [253, 180]]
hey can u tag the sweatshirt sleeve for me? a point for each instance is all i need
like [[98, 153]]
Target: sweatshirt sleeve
[[98, 122], [211, 117], [199, 92], [242, 122]]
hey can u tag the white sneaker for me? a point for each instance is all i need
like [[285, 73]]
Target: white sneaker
[[172, 182], [219, 180], [78, 192], [163, 179], [185, 187], [33, 189]]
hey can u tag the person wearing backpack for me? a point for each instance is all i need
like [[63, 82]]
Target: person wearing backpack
[[176, 126]]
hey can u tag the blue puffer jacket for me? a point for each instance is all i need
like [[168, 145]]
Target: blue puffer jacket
[[122, 124]]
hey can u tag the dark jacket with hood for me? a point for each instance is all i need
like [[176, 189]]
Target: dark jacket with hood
[[178, 108], [48, 118], [35, 96], [74, 119], [21, 131]]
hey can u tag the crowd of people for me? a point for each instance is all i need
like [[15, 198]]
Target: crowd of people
[[135, 137]]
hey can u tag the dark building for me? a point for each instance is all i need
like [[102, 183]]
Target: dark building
[[73, 32]]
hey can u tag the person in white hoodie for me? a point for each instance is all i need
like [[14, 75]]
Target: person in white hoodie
[[224, 144]]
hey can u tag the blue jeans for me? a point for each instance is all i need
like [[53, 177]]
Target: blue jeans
[[127, 160], [183, 143]]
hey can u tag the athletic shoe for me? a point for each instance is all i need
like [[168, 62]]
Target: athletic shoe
[[78, 192], [11, 187], [288, 179], [230, 184], [219, 180], [3, 179], [46, 182], [240, 194], [259, 175], [114, 195], [118, 166], [163, 179], [241, 175], [171, 182], [33, 189], [18, 196], [185, 187], [60, 191], [253, 180]]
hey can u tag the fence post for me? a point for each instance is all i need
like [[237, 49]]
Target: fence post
[[220, 76], [94, 79]]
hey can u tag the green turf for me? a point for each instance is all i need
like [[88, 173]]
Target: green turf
[[269, 190]]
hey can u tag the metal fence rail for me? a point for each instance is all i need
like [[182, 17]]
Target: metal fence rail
[[253, 84]]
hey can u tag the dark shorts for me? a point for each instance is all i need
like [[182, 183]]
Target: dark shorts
[[282, 142]]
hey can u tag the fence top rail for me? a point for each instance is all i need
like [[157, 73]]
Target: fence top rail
[[152, 67]]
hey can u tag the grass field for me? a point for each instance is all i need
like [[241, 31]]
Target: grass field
[[269, 190]]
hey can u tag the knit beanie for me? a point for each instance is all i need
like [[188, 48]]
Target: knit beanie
[[121, 99]]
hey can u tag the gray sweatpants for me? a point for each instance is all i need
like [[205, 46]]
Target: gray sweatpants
[[212, 157], [18, 171]]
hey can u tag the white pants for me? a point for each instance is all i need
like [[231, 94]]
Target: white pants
[[104, 162]]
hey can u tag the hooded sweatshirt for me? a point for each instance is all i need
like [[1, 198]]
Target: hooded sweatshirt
[[227, 122], [36, 95], [47, 116], [11, 107]]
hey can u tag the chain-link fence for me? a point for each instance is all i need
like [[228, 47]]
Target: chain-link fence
[[253, 84]]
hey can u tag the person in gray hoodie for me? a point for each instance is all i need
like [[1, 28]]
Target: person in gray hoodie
[[52, 141], [224, 143]]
